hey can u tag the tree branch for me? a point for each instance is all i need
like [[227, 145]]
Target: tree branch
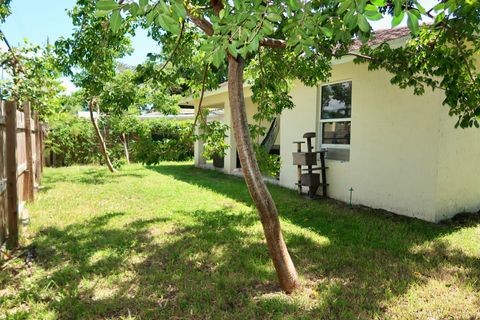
[[204, 80], [465, 60], [205, 71], [200, 22], [175, 48], [17, 66], [273, 43], [217, 6]]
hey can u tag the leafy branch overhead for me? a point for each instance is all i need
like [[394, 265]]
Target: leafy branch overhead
[[39, 79], [312, 33]]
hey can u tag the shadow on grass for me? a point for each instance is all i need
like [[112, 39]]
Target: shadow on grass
[[207, 269], [215, 265], [372, 256]]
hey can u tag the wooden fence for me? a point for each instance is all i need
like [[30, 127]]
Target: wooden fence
[[21, 167]]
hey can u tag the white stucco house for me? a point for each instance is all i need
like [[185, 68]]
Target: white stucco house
[[398, 151]]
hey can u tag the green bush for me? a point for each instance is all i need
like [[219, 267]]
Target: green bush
[[269, 164], [74, 141], [162, 140]]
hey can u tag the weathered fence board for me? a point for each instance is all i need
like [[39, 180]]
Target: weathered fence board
[[12, 176], [21, 152], [29, 174], [3, 177]]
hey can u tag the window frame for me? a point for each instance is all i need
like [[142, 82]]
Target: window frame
[[322, 121]]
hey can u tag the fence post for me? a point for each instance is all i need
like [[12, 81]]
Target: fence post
[[28, 151], [12, 195], [38, 147]]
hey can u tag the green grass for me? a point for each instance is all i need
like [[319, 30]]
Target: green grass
[[176, 242]]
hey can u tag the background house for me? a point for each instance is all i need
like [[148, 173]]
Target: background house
[[398, 151], [185, 112]]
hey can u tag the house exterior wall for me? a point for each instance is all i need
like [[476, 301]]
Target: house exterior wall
[[405, 154], [458, 187], [397, 155]]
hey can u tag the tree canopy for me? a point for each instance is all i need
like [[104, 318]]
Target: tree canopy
[[32, 76], [311, 34]]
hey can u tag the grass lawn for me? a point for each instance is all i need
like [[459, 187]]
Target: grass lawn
[[176, 242]]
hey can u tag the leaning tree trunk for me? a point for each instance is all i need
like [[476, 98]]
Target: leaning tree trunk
[[103, 146], [287, 275]]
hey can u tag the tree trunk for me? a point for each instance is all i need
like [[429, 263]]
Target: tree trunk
[[287, 275], [103, 146], [125, 148]]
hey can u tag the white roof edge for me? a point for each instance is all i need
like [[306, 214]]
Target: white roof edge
[[215, 92], [395, 43]]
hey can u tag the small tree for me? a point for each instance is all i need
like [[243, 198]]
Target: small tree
[[283, 40], [89, 57], [125, 95]]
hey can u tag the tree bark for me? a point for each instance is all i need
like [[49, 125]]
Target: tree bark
[[287, 275], [125, 148], [103, 146]]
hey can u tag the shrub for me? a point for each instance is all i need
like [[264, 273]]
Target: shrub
[[163, 140], [269, 164], [74, 141]]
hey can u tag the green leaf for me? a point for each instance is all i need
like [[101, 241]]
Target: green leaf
[[221, 14], [439, 17], [351, 20], [179, 9], [218, 57], [326, 31], [412, 22], [439, 7], [253, 45], [106, 5], [101, 13], [274, 17], [373, 15], [419, 7], [363, 23], [143, 3], [115, 20], [232, 50], [267, 27], [344, 6], [150, 18], [168, 23], [207, 47], [165, 8], [133, 8], [397, 8], [370, 7], [361, 5], [243, 52], [294, 5], [398, 19]]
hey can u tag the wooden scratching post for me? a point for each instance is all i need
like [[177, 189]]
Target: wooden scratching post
[[309, 159]]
